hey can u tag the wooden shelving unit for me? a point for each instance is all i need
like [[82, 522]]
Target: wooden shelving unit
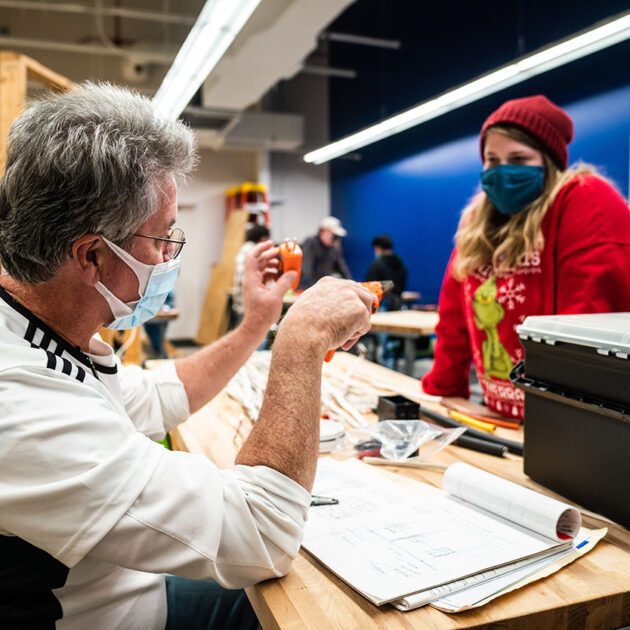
[[213, 323], [16, 72]]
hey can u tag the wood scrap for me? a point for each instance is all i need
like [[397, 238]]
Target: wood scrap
[[342, 398]]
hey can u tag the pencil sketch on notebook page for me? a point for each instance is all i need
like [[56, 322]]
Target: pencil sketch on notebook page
[[390, 536]]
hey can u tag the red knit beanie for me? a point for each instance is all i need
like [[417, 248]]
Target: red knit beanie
[[541, 119]]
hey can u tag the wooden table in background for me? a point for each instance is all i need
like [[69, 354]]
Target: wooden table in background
[[134, 355], [593, 592], [408, 297], [165, 315], [411, 325]]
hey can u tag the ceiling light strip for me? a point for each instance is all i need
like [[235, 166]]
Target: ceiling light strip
[[219, 22], [591, 41]]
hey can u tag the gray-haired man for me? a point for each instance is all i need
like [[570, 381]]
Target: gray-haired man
[[92, 511]]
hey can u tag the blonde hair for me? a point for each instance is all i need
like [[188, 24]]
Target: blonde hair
[[484, 237]]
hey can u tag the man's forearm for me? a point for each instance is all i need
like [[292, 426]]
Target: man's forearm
[[286, 435], [205, 373]]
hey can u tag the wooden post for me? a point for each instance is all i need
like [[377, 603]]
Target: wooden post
[[212, 318]]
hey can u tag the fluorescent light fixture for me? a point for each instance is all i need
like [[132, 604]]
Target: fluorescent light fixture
[[575, 47], [210, 36]]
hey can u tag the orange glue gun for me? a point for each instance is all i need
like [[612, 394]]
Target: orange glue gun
[[291, 254], [379, 289]]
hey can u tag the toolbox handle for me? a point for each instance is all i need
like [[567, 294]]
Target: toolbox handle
[[546, 390], [518, 378]]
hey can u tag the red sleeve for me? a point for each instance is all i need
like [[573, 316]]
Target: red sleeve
[[593, 249], [451, 367]]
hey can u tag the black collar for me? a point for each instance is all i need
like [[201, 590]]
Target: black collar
[[35, 323]]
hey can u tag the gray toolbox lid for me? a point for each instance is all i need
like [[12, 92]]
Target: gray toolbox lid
[[608, 333]]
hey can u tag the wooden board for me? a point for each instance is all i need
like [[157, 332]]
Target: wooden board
[[40, 73], [594, 592], [418, 323], [15, 72], [133, 354], [213, 313], [12, 97]]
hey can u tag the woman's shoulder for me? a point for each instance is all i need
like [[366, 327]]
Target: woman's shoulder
[[590, 186], [589, 208]]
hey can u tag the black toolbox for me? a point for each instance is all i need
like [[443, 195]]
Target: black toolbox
[[576, 380]]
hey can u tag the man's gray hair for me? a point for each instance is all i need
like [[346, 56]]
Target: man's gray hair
[[91, 160]]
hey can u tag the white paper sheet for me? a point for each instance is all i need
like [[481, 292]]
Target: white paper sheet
[[531, 571], [542, 514], [390, 536]]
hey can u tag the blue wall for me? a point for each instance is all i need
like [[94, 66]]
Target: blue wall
[[414, 185], [418, 199]]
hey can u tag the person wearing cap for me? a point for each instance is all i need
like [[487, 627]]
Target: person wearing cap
[[323, 255], [540, 238]]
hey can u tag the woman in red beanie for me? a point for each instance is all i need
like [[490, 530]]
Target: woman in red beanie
[[539, 239]]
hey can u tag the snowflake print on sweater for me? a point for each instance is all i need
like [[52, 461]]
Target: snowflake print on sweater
[[511, 294]]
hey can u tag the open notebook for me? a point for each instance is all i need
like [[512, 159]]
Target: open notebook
[[402, 541]]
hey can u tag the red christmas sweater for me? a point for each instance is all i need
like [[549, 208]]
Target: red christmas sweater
[[584, 267]]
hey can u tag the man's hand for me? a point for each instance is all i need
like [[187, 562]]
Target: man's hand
[[330, 314], [262, 303], [333, 313]]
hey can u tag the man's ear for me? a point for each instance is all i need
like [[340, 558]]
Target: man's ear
[[88, 253]]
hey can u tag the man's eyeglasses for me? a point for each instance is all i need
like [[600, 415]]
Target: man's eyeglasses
[[173, 244]]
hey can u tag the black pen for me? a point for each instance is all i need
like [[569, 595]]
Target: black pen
[[317, 500]]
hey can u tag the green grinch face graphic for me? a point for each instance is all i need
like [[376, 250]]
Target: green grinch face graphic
[[488, 314]]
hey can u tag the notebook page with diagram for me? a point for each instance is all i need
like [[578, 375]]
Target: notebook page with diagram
[[389, 536], [481, 588]]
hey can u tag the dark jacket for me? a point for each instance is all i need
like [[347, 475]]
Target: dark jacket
[[390, 267], [319, 261]]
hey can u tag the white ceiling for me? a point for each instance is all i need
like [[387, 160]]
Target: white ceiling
[[134, 41], [271, 46], [74, 39]]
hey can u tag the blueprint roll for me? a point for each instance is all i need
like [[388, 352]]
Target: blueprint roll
[[541, 514]]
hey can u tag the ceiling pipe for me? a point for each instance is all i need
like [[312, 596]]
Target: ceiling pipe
[[361, 40], [131, 14], [146, 56], [325, 71]]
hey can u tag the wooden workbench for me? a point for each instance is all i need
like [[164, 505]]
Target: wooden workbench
[[593, 592], [411, 325]]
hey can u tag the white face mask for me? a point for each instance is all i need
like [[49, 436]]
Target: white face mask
[[155, 282]]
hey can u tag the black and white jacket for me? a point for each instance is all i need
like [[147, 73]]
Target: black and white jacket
[[93, 511]]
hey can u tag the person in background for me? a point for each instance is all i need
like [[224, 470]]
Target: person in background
[[100, 526], [538, 239], [388, 266], [254, 235], [323, 254]]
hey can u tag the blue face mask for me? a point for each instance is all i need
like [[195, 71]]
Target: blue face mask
[[155, 282], [510, 187]]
